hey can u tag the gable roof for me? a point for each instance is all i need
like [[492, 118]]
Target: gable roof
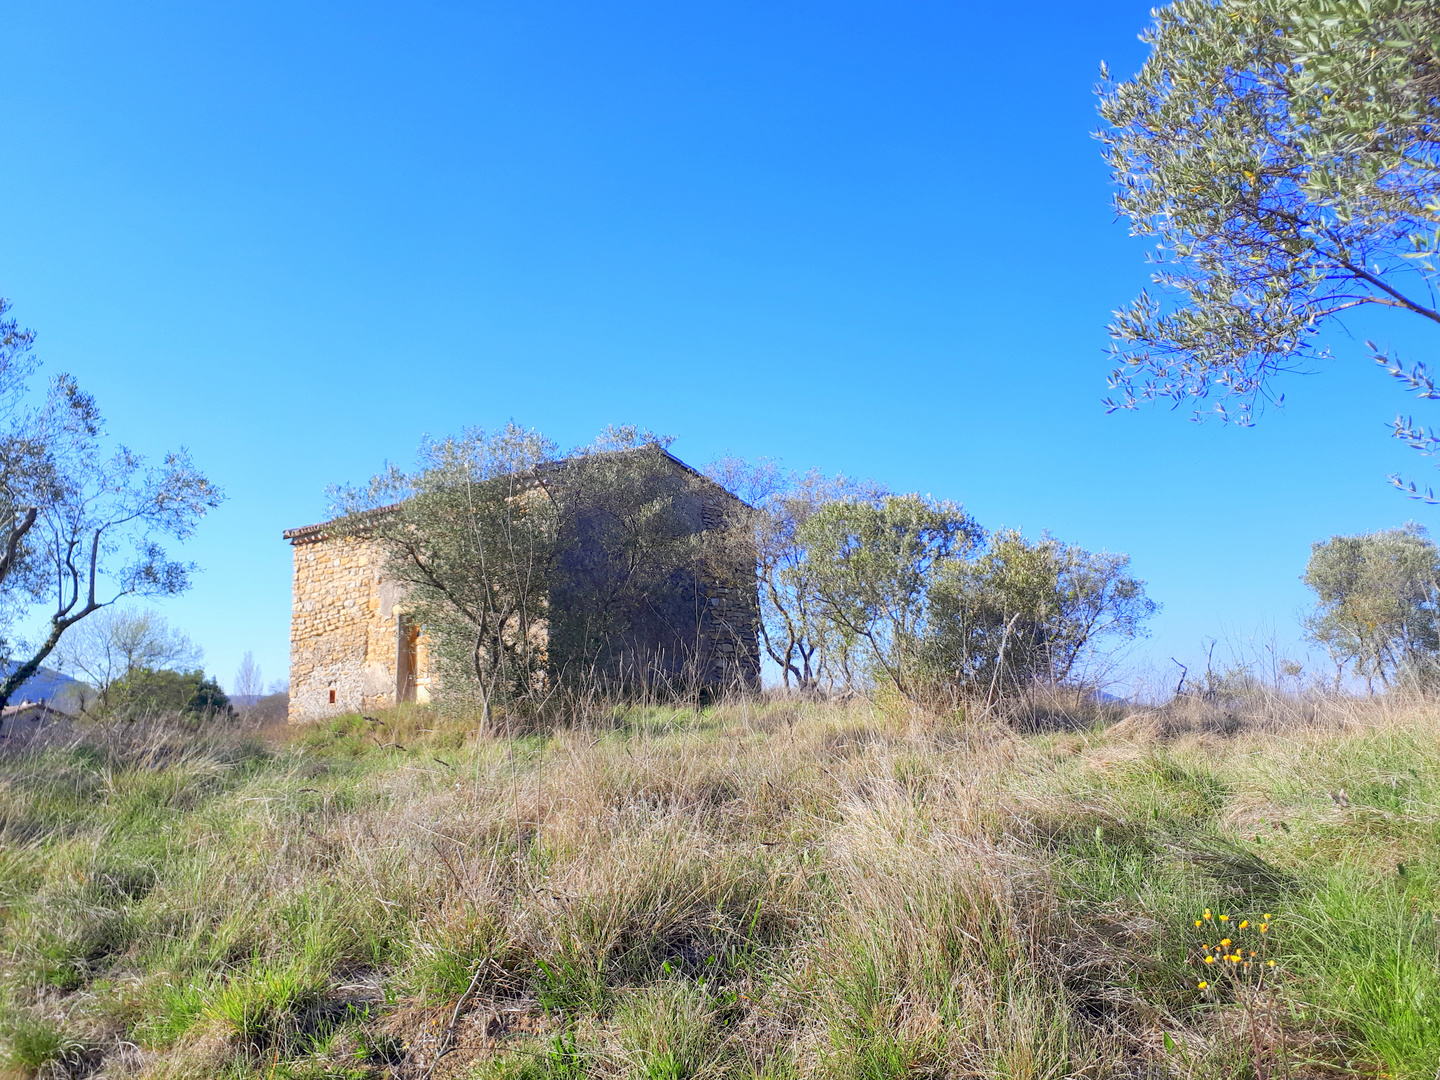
[[310, 534]]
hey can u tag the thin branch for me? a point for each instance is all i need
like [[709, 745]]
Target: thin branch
[[1400, 299]]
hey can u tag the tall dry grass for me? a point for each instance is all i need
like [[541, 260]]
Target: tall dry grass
[[766, 887]]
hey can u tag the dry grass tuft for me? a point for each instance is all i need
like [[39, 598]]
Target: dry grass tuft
[[758, 888]]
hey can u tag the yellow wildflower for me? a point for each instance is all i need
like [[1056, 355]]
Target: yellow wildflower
[[1244, 923], [1203, 984]]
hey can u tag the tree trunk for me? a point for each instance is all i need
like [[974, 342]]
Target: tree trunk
[[22, 674], [480, 682]]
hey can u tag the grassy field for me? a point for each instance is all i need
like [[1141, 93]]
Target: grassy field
[[764, 889]]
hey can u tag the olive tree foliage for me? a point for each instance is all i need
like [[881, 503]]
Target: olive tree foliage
[[858, 583], [871, 566], [809, 648], [530, 570], [1378, 604], [1284, 155], [81, 519], [115, 643], [632, 555], [470, 534], [1028, 611]]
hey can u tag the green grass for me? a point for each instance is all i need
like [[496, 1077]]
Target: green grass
[[32, 1044], [748, 890], [669, 1031], [261, 1004]]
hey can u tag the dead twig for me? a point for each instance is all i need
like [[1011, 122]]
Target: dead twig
[[448, 1038]]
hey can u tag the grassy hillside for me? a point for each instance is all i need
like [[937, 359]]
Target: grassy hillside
[[766, 889]]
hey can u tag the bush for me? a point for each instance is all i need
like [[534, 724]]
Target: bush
[[151, 692]]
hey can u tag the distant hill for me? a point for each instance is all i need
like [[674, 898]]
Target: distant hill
[[47, 684]]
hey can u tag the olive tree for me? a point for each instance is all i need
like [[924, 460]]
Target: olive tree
[[808, 647], [1028, 611], [528, 569], [470, 533], [1378, 604], [1284, 156], [82, 519], [632, 554], [872, 565]]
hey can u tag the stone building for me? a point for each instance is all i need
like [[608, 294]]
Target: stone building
[[353, 646]]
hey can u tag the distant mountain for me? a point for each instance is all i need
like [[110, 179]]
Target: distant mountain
[[47, 684]]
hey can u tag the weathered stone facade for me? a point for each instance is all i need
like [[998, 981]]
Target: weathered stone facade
[[350, 644], [352, 648]]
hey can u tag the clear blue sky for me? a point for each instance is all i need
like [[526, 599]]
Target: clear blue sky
[[867, 237]]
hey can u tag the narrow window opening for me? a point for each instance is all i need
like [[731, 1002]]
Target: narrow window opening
[[332, 697], [406, 644]]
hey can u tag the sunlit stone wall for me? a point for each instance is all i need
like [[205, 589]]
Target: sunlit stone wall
[[344, 628]]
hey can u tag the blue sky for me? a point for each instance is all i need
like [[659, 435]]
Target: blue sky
[[866, 237]]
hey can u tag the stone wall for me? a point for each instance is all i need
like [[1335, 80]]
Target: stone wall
[[731, 614], [344, 629], [346, 632], [677, 624]]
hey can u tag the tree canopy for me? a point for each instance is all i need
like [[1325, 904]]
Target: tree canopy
[[807, 646], [872, 566], [1378, 604], [116, 642], [82, 520], [857, 584], [1285, 157], [148, 691], [1027, 611], [471, 536]]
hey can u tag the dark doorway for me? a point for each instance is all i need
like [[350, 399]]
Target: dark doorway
[[408, 639]]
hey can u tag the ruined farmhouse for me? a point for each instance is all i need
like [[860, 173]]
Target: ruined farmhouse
[[355, 644]]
